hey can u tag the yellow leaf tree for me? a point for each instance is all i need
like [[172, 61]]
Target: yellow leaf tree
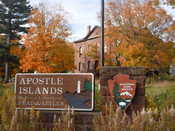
[[45, 45], [93, 52], [133, 31]]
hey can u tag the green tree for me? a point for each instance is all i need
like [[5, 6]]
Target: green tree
[[13, 16], [2, 55], [6, 58]]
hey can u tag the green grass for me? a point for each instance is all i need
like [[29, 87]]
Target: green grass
[[161, 94], [158, 88]]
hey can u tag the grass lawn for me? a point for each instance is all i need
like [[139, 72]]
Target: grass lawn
[[162, 93], [158, 88]]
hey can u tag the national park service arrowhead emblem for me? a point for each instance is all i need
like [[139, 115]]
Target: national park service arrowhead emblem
[[122, 90]]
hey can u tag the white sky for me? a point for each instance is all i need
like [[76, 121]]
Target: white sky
[[84, 12], [169, 9], [81, 13]]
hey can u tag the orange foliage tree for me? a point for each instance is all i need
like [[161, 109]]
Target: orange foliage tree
[[45, 46], [132, 37]]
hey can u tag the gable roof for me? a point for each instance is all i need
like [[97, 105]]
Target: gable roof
[[87, 37]]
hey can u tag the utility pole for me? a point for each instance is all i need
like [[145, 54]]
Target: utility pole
[[102, 35]]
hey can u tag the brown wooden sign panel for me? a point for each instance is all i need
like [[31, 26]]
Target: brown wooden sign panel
[[55, 91]]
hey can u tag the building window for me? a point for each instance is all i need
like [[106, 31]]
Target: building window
[[89, 64], [79, 66], [105, 49], [96, 64], [80, 51]]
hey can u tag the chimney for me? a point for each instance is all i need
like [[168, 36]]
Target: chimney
[[88, 28]]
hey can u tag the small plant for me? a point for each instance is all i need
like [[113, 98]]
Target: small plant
[[150, 120], [64, 121], [150, 104], [7, 108], [30, 120], [98, 99], [1, 89], [111, 120]]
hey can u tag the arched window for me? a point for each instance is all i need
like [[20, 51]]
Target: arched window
[[105, 49], [80, 51], [89, 64], [79, 66], [96, 64]]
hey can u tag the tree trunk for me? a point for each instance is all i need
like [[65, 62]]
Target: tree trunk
[[6, 72]]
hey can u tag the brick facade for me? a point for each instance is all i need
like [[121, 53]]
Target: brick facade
[[84, 63]]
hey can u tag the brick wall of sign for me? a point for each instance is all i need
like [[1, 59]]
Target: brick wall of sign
[[135, 73], [82, 121]]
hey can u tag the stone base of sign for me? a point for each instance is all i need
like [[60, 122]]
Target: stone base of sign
[[135, 73]]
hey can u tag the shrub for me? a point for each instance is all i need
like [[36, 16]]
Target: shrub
[[166, 76], [150, 104]]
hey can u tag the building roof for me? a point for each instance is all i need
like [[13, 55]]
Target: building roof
[[87, 37]]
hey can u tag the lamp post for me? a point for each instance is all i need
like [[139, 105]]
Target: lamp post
[[102, 35]]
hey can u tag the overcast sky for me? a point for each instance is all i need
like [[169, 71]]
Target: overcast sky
[[169, 9], [81, 13], [84, 12]]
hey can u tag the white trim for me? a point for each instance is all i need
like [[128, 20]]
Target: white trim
[[64, 74], [78, 87], [123, 84]]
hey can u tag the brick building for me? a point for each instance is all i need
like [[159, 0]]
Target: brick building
[[83, 62]]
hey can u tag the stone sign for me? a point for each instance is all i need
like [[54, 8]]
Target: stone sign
[[55, 91], [122, 90]]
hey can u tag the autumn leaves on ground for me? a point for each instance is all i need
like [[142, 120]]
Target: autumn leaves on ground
[[137, 33]]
